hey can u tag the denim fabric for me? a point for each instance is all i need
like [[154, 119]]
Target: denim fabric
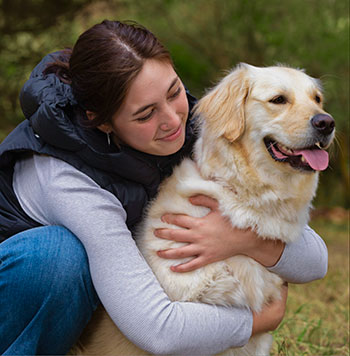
[[46, 293]]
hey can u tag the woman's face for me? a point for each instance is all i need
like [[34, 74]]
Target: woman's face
[[153, 116]]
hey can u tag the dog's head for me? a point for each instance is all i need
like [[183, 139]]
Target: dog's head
[[276, 111]]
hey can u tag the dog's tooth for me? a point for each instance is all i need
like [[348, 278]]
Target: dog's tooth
[[303, 159], [318, 144], [286, 149]]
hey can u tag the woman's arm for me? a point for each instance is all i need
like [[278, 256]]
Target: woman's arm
[[303, 261], [53, 192], [212, 238]]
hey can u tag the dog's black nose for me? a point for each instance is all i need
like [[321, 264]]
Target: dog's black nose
[[323, 123]]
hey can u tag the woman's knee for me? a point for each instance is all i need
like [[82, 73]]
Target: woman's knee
[[47, 260], [44, 281]]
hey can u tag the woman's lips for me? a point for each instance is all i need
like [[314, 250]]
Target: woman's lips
[[172, 136]]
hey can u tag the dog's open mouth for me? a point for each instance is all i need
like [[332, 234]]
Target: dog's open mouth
[[308, 159]]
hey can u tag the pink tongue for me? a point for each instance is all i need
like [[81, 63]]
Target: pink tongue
[[317, 159]]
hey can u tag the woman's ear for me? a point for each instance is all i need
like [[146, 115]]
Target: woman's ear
[[90, 115], [105, 127]]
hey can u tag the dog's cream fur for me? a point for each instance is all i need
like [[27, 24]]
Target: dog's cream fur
[[254, 191]]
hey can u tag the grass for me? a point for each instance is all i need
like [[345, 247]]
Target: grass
[[317, 317]]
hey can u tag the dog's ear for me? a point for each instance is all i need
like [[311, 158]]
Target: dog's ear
[[222, 108]]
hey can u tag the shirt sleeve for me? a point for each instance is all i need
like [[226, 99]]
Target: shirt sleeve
[[54, 193], [304, 260]]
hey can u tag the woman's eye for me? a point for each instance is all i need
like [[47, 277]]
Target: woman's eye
[[278, 100], [176, 93], [145, 118]]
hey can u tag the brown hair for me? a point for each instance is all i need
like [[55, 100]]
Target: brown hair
[[103, 63]]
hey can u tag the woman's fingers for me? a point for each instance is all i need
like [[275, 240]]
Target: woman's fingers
[[284, 292], [180, 220], [178, 235], [199, 234], [186, 221], [197, 261], [180, 252], [189, 266], [204, 200], [271, 314]]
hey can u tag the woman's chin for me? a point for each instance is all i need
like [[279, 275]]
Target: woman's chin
[[164, 148]]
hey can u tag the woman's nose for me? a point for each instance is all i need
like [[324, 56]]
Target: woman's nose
[[170, 119]]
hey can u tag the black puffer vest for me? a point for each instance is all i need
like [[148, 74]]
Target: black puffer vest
[[52, 128]]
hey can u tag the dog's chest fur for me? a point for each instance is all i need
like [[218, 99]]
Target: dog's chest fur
[[238, 280]]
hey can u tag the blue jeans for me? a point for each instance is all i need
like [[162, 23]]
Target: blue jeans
[[46, 293]]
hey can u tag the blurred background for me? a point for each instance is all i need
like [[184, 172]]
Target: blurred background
[[206, 38]]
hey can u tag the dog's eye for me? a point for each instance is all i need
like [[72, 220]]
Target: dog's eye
[[317, 99], [278, 100]]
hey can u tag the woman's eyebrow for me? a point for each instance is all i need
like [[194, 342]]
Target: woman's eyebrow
[[145, 107]]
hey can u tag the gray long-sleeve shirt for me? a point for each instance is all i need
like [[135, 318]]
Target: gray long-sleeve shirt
[[54, 193]]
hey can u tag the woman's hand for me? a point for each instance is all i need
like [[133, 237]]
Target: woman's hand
[[271, 315], [213, 238]]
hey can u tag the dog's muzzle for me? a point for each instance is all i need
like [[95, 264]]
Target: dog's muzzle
[[311, 158]]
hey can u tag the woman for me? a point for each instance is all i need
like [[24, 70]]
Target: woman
[[105, 124]]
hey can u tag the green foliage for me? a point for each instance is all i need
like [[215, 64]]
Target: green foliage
[[29, 29], [206, 38]]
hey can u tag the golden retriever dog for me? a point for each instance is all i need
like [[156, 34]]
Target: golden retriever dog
[[262, 140]]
